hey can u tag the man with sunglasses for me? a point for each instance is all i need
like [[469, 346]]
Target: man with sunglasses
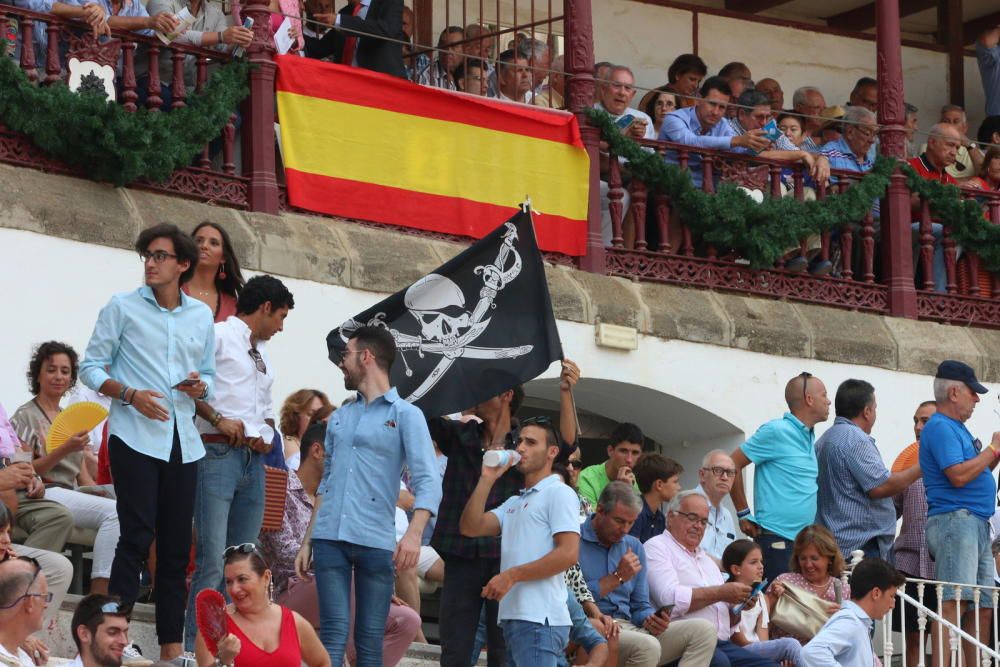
[[100, 631], [24, 596], [237, 427], [784, 482], [153, 352], [470, 563]]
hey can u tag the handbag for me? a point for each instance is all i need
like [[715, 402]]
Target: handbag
[[801, 613]]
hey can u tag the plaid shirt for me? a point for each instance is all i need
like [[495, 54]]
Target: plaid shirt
[[462, 443], [912, 556]]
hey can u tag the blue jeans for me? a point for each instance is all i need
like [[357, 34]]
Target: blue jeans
[[940, 271], [777, 553], [335, 562], [728, 654], [534, 644], [784, 648], [959, 542], [228, 510]]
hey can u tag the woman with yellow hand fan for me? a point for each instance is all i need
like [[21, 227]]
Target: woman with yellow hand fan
[[59, 458]]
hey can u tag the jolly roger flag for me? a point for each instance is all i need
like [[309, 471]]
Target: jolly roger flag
[[477, 326]]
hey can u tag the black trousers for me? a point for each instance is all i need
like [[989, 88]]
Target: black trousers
[[461, 604], [155, 499]]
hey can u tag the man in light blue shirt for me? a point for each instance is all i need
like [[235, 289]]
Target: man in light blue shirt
[[988, 58], [541, 540], [705, 126], [784, 483], [855, 488], [841, 643], [352, 529], [153, 352]]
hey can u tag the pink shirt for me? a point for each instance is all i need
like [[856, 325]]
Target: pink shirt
[[9, 443], [674, 573]]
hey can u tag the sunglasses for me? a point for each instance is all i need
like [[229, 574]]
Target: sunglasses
[[574, 464], [113, 607], [805, 375], [258, 360], [245, 548], [34, 577]]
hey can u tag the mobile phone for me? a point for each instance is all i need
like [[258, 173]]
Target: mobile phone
[[757, 589], [667, 608], [771, 130], [239, 52], [625, 121], [188, 382]]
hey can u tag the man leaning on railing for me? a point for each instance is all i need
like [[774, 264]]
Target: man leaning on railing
[[961, 496]]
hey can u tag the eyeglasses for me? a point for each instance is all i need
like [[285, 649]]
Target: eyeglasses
[[245, 548], [574, 464], [721, 472], [805, 375], [34, 577], [691, 517], [158, 256], [258, 360]]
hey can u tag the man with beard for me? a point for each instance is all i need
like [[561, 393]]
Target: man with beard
[[541, 540], [351, 532], [100, 631], [470, 563]]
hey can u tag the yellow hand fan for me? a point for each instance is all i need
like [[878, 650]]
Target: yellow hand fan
[[78, 417]]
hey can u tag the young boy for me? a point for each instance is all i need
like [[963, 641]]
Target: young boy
[[659, 481]]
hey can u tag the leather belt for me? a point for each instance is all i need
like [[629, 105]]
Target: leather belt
[[218, 438]]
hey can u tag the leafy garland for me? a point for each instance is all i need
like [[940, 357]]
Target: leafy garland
[[763, 232], [87, 131]]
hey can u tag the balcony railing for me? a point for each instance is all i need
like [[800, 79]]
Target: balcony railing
[[866, 274]]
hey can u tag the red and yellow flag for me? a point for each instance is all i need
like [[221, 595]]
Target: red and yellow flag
[[364, 145]]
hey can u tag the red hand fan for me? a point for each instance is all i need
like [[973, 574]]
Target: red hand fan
[[210, 612]]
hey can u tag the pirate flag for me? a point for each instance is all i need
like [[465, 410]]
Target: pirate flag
[[477, 326]]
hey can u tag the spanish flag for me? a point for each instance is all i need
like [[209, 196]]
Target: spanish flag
[[363, 145]]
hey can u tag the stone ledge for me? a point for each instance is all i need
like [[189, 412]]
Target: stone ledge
[[339, 252]]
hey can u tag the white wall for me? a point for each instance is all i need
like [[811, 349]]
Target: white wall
[[54, 289]]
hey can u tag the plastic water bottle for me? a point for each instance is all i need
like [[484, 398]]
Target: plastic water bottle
[[497, 458]]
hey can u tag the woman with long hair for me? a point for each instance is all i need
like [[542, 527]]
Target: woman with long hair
[[300, 409], [217, 278], [52, 372]]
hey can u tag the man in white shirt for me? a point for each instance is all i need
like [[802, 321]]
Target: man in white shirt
[[24, 595], [716, 477], [513, 78], [237, 427], [541, 540], [100, 631], [840, 643], [684, 577]]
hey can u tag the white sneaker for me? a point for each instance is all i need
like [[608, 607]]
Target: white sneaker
[[132, 657], [186, 659]]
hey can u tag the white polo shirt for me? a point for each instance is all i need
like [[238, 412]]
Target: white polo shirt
[[528, 524]]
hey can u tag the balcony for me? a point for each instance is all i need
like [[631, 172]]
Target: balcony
[[875, 272]]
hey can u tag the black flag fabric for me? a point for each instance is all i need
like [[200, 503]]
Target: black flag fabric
[[477, 326]]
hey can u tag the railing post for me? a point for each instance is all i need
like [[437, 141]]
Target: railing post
[[896, 238], [258, 159], [580, 97]]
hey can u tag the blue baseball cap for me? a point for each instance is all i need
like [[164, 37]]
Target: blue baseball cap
[[956, 370]]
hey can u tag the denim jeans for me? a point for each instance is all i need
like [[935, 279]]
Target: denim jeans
[[228, 510], [777, 553], [778, 650], [335, 562], [534, 644], [959, 542], [728, 654], [940, 276]]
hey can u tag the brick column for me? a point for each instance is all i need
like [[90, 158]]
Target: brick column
[[258, 125]]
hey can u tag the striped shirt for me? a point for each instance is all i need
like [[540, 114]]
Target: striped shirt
[[850, 466], [910, 549], [782, 143], [842, 157]]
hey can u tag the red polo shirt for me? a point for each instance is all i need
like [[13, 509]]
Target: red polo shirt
[[926, 170]]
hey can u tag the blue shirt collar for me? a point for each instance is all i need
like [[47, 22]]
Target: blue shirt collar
[[798, 423], [545, 483], [587, 531], [853, 607], [390, 396], [146, 292]]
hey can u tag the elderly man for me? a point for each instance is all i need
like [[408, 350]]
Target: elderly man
[[615, 94], [961, 494], [855, 488], [933, 164], [24, 595], [614, 565], [775, 95], [703, 126], [969, 157], [753, 113], [483, 50], [739, 78], [865, 94], [686, 579], [513, 77], [551, 94], [536, 52], [785, 473], [809, 102], [910, 549], [715, 481]]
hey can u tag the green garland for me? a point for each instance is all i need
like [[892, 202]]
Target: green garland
[[109, 143], [762, 233]]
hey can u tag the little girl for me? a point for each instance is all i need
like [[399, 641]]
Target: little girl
[[744, 563]]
